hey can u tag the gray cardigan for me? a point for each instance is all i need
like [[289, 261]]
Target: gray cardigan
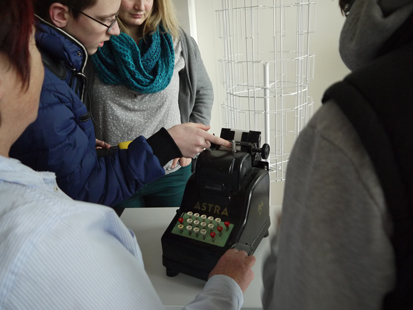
[[196, 95]]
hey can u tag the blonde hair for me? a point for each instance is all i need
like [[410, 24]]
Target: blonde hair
[[162, 14]]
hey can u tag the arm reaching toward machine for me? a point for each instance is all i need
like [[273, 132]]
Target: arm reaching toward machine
[[193, 138], [236, 265]]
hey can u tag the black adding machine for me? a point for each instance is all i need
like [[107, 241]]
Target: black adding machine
[[225, 205]]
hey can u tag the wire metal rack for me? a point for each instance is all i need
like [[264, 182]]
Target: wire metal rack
[[266, 69]]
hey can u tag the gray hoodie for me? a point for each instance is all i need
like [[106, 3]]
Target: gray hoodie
[[333, 248]]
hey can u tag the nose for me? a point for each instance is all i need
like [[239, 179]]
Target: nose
[[139, 6], [114, 31]]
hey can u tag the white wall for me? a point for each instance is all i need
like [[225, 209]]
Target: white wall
[[324, 43], [329, 67], [185, 10]]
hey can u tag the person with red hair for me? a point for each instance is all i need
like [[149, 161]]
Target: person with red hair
[[21, 71], [57, 253]]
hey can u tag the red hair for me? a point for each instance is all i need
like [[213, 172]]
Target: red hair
[[17, 20]]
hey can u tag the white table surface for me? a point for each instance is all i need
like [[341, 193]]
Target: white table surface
[[149, 224]]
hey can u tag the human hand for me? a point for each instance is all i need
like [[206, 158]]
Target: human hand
[[193, 138], [236, 265], [183, 162], [101, 145]]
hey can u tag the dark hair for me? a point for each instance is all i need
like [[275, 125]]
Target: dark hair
[[41, 7], [17, 20], [345, 5]]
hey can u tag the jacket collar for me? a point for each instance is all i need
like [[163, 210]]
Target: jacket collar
[[61, 45]]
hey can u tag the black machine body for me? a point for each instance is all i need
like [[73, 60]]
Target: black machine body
[[225, 205]]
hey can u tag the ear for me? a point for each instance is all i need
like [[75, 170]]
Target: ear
[[59, 14]]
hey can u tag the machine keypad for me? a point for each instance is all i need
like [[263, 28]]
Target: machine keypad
[[204, 228]]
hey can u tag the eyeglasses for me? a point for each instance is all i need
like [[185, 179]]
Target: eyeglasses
[[108, 26]]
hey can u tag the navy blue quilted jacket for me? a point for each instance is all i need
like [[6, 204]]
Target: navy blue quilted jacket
[[62, 139]]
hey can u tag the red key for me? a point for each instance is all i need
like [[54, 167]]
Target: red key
[[212, 234]]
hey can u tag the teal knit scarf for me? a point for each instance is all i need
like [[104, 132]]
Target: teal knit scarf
[[146, 67]]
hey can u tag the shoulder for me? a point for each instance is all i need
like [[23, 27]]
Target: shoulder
[[330, 124], [56, 92], [38, 207], [35, 214], [39, 214], [188, 42], [331, 186], [58, 44], [330, 144], [60, 238]]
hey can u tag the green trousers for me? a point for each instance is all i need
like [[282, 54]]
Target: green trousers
[[164, 192]]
